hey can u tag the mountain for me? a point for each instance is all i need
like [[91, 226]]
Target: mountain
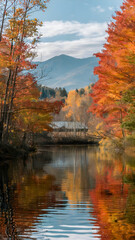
[[66, 72]]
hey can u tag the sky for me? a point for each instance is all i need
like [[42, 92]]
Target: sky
[[74, 27]]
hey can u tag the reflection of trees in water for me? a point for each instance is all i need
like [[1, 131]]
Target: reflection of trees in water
[[24, 193], [27, 187], [112, 198], [7, 221], [64, 173], [41, 158], [79, 178]]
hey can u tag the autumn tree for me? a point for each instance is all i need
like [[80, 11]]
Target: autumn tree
[[76, 106], [16, 53], [116, 70]]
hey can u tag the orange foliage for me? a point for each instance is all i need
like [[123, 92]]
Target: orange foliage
[[116, 69], [20, 105]]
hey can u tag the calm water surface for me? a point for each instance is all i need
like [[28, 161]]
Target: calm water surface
[[75, 193]]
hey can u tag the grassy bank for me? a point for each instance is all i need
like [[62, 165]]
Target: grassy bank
[[126, 145]]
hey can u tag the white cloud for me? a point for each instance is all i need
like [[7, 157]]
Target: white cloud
[[57, 28], [90, 38], [78, 48], [111, 8], [99, 9]]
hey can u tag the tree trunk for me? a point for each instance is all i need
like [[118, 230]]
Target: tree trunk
[[3, 19], [24, 140]]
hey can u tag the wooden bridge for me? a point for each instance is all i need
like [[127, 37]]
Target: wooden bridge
[[67, 133]]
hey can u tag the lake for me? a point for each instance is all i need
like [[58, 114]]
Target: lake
[[68, 192]]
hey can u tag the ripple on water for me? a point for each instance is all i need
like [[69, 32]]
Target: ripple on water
[[70, 221]]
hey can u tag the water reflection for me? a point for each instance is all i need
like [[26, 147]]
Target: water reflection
[[68, 192]]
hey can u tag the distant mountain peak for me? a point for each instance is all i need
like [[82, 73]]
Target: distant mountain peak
[[64, 55], [66, 71]]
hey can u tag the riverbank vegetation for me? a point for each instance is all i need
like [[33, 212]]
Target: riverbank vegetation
[[21, 111], [114, 93]]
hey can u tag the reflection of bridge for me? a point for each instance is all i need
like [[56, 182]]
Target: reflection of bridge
[[69, 138]]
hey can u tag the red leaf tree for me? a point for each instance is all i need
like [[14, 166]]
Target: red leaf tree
[[116, 70]]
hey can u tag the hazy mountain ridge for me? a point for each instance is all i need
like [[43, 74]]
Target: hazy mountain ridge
[[66, 72]]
